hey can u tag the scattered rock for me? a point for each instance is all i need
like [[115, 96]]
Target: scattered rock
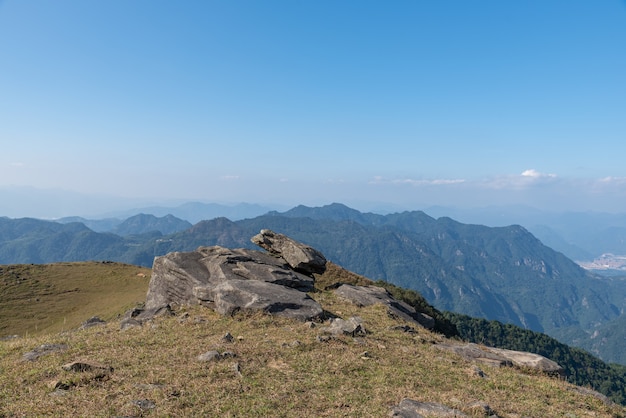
[[137, 316], [353, 326], [481, 408], [498, 357], [43, 350], [210, 356], [530, 360], [228, 338], [370, 295], [404, 328], [476, 371], [595, 394], [59, 385], [409, 408], [144, 404], [300, 257], [9, 337], [94, 321], [87, 366], [129, 323]]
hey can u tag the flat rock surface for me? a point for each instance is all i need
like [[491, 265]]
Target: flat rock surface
[[370, 295], [229, 280]]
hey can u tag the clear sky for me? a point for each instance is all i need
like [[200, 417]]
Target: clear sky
[[370, 103]]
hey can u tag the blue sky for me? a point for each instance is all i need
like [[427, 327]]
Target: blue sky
[[401, 104]]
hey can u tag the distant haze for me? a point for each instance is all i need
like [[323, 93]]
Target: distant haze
[[383, 106]]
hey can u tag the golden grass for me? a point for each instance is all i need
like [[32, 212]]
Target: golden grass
[[279, 369], [49, 298]]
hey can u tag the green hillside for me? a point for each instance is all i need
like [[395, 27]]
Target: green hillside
[[49, 298]]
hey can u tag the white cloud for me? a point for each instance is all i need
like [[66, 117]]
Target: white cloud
[[532, 173], [526, 179]]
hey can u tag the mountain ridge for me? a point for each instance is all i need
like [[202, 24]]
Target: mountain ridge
[[501, 273]]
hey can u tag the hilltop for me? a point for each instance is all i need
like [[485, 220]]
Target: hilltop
[[192, 361]]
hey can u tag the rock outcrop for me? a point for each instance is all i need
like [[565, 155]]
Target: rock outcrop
[[230, 280], [499, 357], [370, 295], [299, 256]]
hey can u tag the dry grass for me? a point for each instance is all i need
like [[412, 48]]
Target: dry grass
[[280, 369]]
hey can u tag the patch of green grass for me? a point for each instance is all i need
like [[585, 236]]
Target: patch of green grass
[[49, 298]]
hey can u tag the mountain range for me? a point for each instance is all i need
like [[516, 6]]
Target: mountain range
[[498, 273]]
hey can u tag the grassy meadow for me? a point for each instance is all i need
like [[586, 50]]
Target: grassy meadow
[[37, 299]]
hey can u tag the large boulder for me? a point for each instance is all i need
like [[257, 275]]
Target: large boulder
[[299, 256], [230, 280], [499, 357], [370, 295]]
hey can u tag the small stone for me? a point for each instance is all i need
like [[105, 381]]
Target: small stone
[[144, 404], [481, 407], [129, 323], [228, 338], [43, 350], [86, 366], [228, 354], [478, 372], [58, 384], [92, 322], [210, 356]]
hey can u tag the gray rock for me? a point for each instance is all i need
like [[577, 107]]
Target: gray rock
[[144, 404], [474, 352], [530, 360], [481, 408], [235, 295], [230, 280], [590, 392], [210, 356], [299, 256], [128, 323], [370, 295], [43, 350], [409, 408], [94, 321], [352, 326], [87, 366], [500, 357]]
